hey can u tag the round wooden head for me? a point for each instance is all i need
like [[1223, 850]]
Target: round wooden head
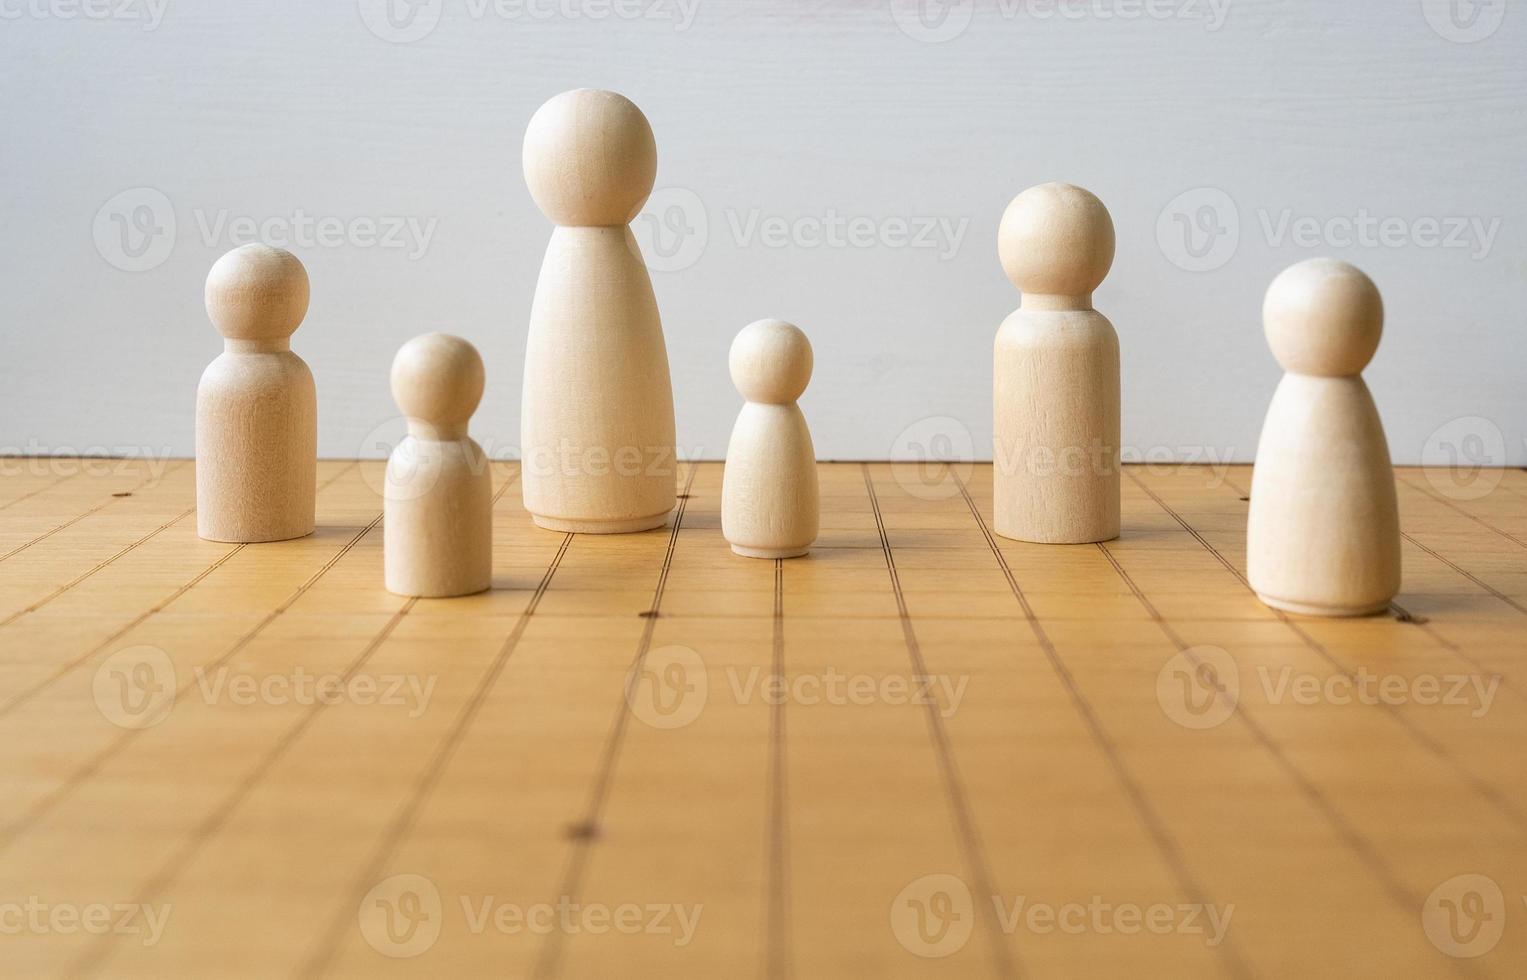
[[771, 362], [590, 159], [257, 292], [1323, 317], [1056, 240], [437, 379]]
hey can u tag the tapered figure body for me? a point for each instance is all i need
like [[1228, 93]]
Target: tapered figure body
[[256, 405], [1056, 377], [770, 505], [597, 427], [437, 535], [1323, 536]]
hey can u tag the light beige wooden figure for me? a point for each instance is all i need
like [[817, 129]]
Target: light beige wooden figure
[[770, 505], [1056, 390], [596, 425], [1323, 538], [256, 406], [437, 534]]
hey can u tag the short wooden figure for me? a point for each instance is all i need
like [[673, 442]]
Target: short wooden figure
[[437, 535], [1056, 390], [596, 424], [1323, 538], [256, 405], [770, 505]]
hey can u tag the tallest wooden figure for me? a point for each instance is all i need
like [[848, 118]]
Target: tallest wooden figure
[[596, 425]]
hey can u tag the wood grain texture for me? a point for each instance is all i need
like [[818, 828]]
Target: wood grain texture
[[602, 732]]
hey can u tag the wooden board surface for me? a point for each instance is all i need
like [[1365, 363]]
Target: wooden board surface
[[252, 761]]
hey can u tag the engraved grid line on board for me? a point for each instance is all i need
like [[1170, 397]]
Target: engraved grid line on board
[[158, 607], [94, 510], [548, 958], [42, 489], [1454, 505], [1150, 819], [97, 953], [327, 945], [983, 877], [33, 607], [1478, 783], [777, 906], [1406, 900], [10, 834], [1430, 629]]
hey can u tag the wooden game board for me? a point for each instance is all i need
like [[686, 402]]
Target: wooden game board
[[538, 815]]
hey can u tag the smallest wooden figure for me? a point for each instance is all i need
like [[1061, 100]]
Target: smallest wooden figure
[[438, 502], [770, 504]]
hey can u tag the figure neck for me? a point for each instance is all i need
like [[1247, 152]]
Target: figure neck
[[257, 346], [1046, 302], [429, 432]]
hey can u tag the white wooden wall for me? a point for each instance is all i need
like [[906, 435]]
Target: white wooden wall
[[839, 164]]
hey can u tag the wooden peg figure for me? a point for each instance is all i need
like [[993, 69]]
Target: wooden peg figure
[[1056, 378], [770, 504], [596, 424], [437, 530], [256, 405], [1323, 537]]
